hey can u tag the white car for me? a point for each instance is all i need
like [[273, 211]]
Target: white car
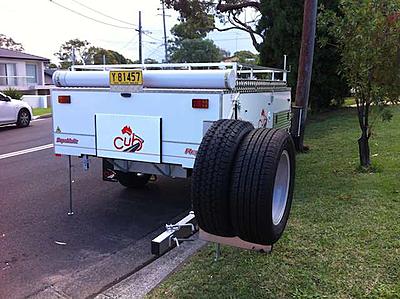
[[14, 112]]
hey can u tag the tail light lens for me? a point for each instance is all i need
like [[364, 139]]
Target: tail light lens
[[64, 99], [200, 103]]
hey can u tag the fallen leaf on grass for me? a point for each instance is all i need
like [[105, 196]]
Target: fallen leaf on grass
[[344, 197]]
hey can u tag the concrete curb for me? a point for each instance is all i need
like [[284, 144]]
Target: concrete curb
[[48, 115], [122, 268], [142, 282]]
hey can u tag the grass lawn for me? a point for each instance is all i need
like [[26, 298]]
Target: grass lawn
[[41, 111], [343, 235], [348, 102]]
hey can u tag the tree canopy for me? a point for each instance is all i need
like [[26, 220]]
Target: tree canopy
[[282, 22], [201, 16], [275, 28], [195, 50], [246, 56], [8, 43], [84, 53], [74, 50], [189, 43], [96, 55], [368, 36]]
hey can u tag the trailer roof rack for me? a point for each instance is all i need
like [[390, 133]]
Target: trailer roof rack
[[244, 71]]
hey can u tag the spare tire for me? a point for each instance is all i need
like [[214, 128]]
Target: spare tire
[[211, 178], [262, 185]]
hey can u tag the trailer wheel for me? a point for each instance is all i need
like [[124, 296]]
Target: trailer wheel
[[132, 179], [262, 185], [212, 175]]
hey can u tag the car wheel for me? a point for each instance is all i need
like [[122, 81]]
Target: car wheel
[[24, 118], [132, 179]]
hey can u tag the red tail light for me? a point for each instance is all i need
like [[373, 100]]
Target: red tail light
[[200, 103], [64, 99]]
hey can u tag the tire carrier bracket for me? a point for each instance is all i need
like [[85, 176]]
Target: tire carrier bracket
[[233, 241], [173, 234]]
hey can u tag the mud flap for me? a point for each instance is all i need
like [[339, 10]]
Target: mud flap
[[109, 174]]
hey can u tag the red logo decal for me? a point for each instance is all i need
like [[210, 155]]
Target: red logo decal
[[128, 141], [190, 151], [67, 140], [263, 121]]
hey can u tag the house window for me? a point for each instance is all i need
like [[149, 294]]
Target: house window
[[31, 73], [3, 74], [8, 71]]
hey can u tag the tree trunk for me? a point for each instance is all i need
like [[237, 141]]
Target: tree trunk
[[363, 147]]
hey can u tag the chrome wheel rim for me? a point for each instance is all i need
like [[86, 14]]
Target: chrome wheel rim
[[281, 188]]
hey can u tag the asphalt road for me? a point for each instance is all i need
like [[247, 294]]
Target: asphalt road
[[41, 245]]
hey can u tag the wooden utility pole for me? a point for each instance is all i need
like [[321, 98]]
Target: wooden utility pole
[[165, 32], [304, 73], [140, 38]]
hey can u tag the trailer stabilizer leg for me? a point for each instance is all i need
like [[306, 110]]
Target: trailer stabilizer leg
[[70, 212]]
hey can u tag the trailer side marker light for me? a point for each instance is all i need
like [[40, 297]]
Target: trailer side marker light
[[200, 103], [64, 99]]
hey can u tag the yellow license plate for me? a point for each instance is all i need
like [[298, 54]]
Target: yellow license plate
[[134, 77]]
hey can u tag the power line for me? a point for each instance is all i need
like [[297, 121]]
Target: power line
[[128, 43], [155, 50], [152, 43], [90, 18], [101, 13], [153, 38]]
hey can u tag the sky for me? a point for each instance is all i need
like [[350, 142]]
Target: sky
[[43, 25]]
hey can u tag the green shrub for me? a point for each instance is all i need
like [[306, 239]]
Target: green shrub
[[13, 93]]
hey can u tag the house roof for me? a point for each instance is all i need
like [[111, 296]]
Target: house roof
[[5, 53]]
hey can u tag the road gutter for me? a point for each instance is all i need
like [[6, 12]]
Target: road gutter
[[131, 268], [42, 116], [143, 281]]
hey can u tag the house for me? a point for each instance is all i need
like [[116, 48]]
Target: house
[[23, 71]]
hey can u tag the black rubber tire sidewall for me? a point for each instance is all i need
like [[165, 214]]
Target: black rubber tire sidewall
[[253, 183], [212, 175], [19, 124], [277, 230]]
